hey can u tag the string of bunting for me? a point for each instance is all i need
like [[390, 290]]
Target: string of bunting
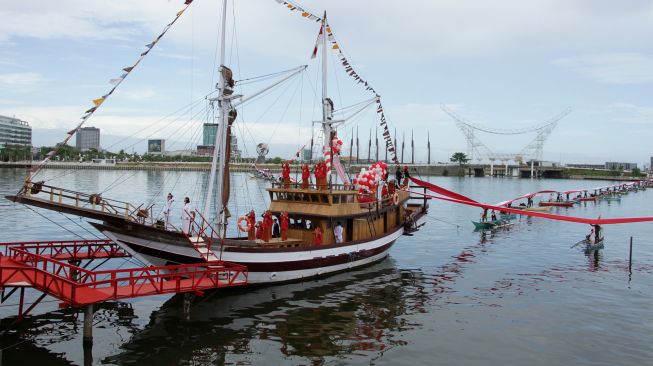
[[115, 82], [349, 69]]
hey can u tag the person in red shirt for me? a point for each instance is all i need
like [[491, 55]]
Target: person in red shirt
[[317, 236], [267, 226], [320, 175], [306, 176], [285, 173], [285, 223], [259, 230], [251, 221]]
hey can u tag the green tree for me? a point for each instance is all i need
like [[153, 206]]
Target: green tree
[[635, 172]]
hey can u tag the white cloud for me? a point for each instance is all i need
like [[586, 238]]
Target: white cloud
[[612, 68], [20, 81], [411, 30]]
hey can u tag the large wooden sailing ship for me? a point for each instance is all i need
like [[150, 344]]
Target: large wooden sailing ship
[[371, 222]]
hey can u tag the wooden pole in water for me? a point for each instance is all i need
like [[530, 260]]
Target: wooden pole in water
[[88, 326], [630, 256]]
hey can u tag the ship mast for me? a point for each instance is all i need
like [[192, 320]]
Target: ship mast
[[326, 106], [219, 148]]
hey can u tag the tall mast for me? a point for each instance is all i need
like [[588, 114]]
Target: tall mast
[[326, 111], [219, 148]]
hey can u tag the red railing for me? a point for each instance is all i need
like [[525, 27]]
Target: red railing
[[36, 265]]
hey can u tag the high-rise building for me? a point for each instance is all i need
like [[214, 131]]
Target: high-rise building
[[208, 134], [87, 138], [208, 141], [14, 132]]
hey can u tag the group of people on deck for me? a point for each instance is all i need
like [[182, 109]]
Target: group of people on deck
[[187, 214], [320, 172]]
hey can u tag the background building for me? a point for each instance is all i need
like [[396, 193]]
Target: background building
[[208, 134], [15, 133], [208, 141], [156, 147], [613, 165], [88, 138]]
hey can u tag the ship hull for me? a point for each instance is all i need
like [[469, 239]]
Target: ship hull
[[268, 265]]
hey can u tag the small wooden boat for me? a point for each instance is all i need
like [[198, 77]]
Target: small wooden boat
[[508, 216], [586, 199], [610, 199], [542, 209], [490, 224], [556, 204]]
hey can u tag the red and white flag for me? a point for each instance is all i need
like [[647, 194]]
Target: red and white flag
[[317, 43]]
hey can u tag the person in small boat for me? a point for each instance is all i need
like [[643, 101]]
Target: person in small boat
[[598, 234], [530, 202], [585, 194], [484, 215], [493, 216], [317, 236], [276, 231], [285, 173], [337, 232], [306, 176], [567, 196], [251, 222], [167, 211], [285, 223], [187, 215]]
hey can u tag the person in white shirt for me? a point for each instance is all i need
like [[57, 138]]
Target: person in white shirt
[[187, 215], [337, 232], [167, 211]]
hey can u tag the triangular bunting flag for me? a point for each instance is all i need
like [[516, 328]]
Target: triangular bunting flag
[[98, 101]]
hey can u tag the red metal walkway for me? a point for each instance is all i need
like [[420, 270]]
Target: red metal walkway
[[50, 268]]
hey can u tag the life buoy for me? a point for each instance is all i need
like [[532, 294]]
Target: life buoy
[[395, 198], [242, 228]]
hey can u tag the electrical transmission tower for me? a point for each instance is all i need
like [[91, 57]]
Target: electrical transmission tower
[[477, 150]]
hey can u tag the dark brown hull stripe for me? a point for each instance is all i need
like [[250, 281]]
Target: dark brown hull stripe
[[319, 262]]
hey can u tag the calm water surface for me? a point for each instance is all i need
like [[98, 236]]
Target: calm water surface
[[447, 295]]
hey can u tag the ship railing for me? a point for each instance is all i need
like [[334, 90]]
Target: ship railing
[[93, 201], [200, 227], [312, 186]]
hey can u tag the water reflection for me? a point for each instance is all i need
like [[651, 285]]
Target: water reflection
[[341, 315]]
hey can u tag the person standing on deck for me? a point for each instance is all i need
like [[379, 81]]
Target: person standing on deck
[[398, 176], [167, 211], [251, 222], [484, 215], [530, 202], [285, 173], [317, 236], [275, 229], [494, 216], [187, 216], [406, 176], [267, 226], [285, 223], [306, 176], [337, 232]]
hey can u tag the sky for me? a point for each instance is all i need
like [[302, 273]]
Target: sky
[[504, 64]]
